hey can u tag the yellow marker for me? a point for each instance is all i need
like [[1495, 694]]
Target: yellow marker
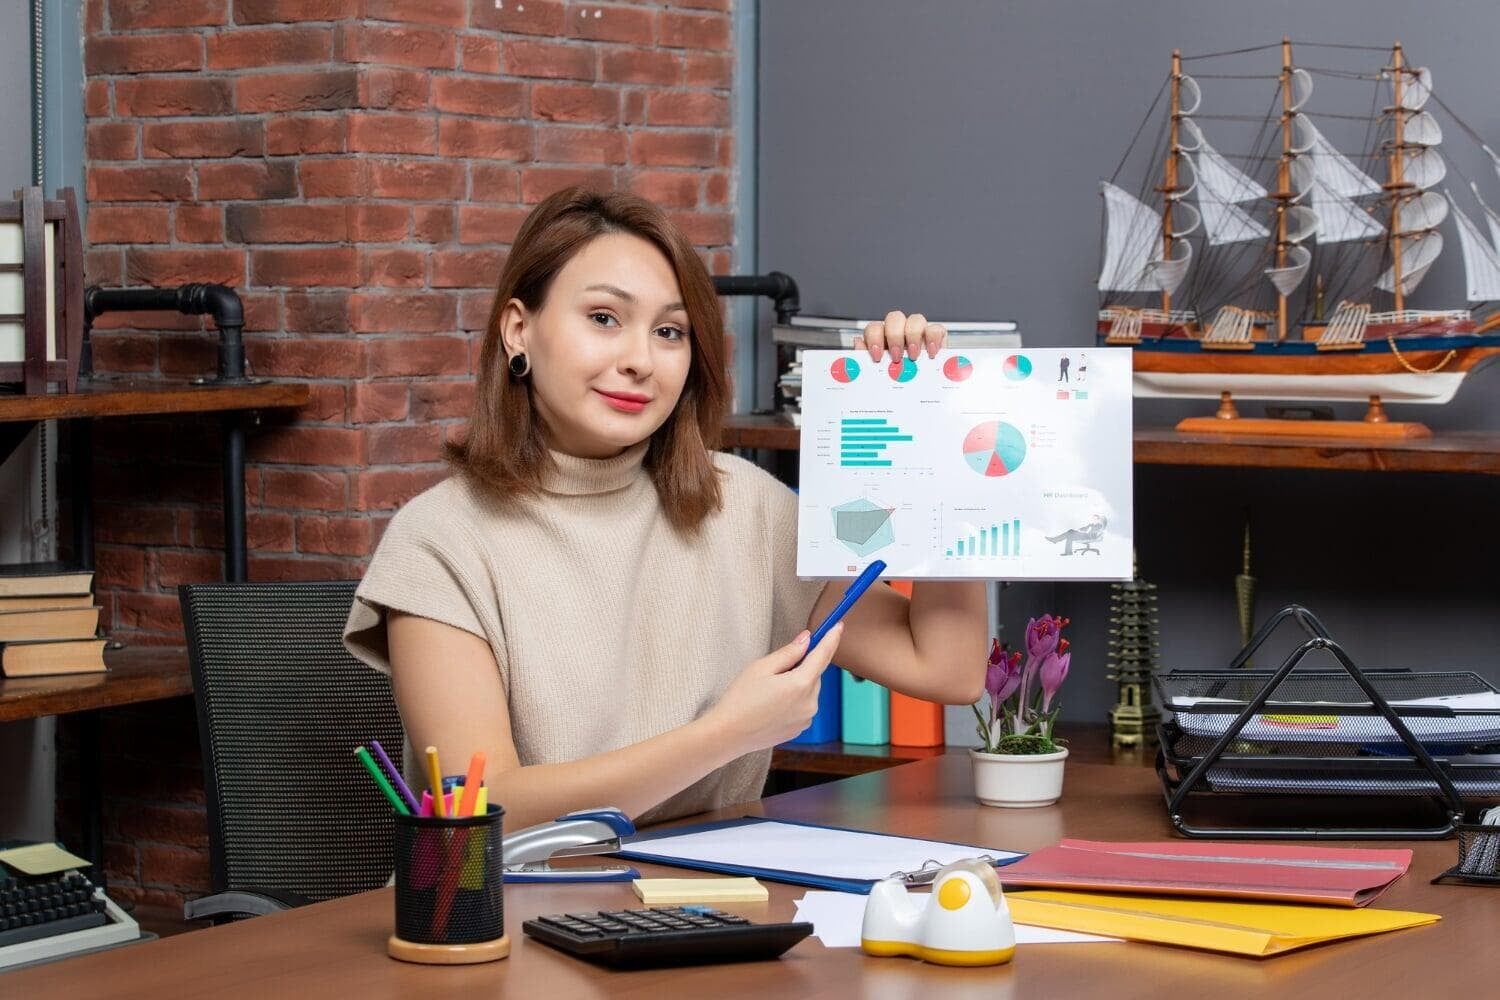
[[435, 779]]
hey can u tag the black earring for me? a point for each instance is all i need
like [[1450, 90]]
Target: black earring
[[520, 365]]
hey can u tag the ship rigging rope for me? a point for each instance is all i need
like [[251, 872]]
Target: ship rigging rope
[[1295, 44], [1141, 127], [1391, 339]]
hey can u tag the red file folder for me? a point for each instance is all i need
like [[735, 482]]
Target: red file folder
[[1330, 875]]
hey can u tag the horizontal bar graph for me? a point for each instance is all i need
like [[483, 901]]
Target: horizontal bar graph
[[863, 441], [1002, 539]]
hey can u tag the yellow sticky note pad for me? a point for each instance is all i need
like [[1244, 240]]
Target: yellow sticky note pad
[[670, 891], [41, 859]]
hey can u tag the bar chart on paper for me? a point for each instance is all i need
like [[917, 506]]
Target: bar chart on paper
[[864, 442], [990, 541]]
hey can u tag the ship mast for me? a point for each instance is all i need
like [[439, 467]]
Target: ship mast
[[1169, 182], [1283, 178], [1397, 185]]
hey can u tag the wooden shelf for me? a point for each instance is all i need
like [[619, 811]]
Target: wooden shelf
[[136, 674], [1473, 452], [142, 397], [1087, 742]]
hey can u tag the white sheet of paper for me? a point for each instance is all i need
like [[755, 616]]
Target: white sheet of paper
[[979, 464], [837, 917], [811, 850]]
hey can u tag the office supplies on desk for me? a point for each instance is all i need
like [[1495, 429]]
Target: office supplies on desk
[[1478, 852], [435, 778], [668, 935], [398, 782], [1327, 733], [824, 857], [915, 722], [838, 917], [827, 723], [963, 921], [472, 780], [449, 885], [381, 782], [529, 853], [40, 859], [1336, 876], [1256, 929], [675, 891]]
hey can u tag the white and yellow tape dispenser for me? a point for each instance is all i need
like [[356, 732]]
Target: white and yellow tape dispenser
[[963, 922]]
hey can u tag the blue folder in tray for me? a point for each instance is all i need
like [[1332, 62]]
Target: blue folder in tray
[[823, 857]]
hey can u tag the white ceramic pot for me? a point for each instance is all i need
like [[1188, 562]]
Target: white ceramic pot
[[1018, 780]]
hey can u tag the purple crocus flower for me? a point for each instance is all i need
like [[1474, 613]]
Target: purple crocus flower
[[1001, 677], [1042, 635], [1054, 670]]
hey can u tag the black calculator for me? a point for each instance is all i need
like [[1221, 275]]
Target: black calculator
[[664, 935]]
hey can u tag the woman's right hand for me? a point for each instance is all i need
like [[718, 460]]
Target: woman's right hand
[[775, 697]]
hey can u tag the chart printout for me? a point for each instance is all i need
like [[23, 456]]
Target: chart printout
[[979, 464]]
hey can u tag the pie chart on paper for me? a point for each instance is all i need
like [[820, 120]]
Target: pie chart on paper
[[958, 368], [994, 448], [845, 370], [1017, 367], [903, 370]]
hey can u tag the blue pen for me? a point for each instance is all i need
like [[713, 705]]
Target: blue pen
[[859, 586]]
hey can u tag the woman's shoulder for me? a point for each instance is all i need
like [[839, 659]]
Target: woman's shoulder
[[444, 509]]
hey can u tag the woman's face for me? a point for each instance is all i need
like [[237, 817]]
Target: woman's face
[[609, 348]]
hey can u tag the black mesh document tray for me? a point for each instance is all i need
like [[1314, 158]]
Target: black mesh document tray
[[1336, 744]]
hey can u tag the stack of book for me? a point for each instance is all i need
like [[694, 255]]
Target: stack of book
[[830, 333], [49, 623]]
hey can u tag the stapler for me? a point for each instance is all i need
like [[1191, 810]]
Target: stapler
[[528, 853], [964, 922]]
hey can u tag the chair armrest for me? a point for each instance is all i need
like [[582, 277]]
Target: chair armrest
[[242, 902]]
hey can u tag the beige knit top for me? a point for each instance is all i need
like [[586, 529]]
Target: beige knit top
[[608, 625]]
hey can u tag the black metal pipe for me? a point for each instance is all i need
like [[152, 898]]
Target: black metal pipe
[[776, 286], [196, 299]]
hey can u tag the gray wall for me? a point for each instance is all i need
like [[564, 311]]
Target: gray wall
[[15, 96], [945, 155]]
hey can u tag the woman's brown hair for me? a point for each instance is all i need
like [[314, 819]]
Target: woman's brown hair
[[505, 451]]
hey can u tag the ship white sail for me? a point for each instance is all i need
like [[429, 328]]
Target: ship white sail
[[1338, 218], [1426, 211], [1489, 215], [1165, 274], [1416, 87], [1481, 262], [1418, 253], [1424, 167], [1286, 279], [1332, 169], [1421, 129], [1132, 244]]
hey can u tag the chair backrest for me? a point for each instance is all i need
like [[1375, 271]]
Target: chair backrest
[[281, 707]]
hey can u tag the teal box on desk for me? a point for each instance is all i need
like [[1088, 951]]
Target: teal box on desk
[[827, 722], [866, 711]]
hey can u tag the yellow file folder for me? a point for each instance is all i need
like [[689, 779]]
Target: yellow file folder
[[1256, 929]]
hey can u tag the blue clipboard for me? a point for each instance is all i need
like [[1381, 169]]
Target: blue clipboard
[[529, 878], [635, 852]]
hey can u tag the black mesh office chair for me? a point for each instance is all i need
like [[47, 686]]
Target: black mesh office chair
[[292, 816]]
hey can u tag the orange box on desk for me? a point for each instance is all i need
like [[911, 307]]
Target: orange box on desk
[[914, 722]]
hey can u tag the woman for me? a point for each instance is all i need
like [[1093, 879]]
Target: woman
[[591, 599]]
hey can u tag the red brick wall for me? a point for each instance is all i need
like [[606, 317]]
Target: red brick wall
[[355, 168]]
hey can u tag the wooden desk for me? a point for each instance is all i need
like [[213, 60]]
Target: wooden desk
[[136, 674], [1475, 452], [338, 948]]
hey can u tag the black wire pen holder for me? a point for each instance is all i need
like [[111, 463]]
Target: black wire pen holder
[[1239, 735]]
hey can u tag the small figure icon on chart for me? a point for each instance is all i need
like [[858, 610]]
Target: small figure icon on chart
[[1062, 369], [1083, 537]]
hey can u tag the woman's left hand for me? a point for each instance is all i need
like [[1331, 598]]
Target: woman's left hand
[[902, 334]]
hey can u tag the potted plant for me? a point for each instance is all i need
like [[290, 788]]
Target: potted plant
[[1020, 764]]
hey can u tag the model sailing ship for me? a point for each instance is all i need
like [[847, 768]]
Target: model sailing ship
[[1283, 273]]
